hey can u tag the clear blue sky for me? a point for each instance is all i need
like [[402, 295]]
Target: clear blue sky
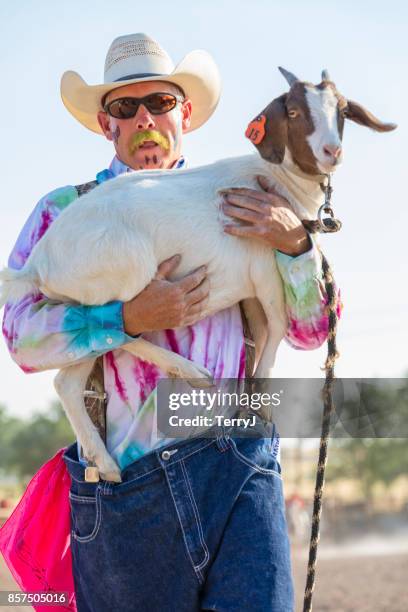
[[364, 46]]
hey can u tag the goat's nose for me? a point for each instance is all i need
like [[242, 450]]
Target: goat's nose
[[332, 150]]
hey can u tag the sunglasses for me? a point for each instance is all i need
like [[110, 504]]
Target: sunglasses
[[156, 103]]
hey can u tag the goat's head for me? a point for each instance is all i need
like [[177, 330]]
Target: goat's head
[[308, 121]]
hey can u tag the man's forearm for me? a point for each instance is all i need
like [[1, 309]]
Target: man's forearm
[[42, 335]]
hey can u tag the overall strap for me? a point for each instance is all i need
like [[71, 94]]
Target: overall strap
[[249, 345]]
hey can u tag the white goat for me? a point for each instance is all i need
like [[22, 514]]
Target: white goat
[[108, 244]]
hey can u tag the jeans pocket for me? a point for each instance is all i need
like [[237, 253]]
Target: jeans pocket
[[85, 516], [256, 454]]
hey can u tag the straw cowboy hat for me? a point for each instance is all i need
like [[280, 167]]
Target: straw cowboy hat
[[137, 58]]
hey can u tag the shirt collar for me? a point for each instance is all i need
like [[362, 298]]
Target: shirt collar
[[118, 167]]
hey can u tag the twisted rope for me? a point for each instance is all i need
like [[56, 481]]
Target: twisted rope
[[332, 355]]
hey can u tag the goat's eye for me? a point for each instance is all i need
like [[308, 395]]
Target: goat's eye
[[292, 113]]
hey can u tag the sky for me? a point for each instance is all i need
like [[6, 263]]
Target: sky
[[364, 47]]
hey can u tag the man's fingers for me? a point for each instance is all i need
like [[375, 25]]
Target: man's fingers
[[245, 201], [250, 216], [196, 312], [256, 200], [246, 231], [189, 282], [167, 267], [198, 307], [254, 194], [198, 293]]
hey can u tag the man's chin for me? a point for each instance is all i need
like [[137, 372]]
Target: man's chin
[[149, 158]]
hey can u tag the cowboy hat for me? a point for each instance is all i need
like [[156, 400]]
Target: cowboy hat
[[137, 58]]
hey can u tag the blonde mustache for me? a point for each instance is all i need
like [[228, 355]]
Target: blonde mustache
[[140, 137]]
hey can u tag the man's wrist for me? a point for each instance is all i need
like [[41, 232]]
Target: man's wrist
[[128, 315], [303, 246]]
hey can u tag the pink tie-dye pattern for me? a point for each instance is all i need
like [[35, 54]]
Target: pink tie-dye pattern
[[119, 384], [27, 369], [147, 376], [207, 342], [242, 360], [10, 336], [305, 334], [172, 340], [45, 221], [219, 370], [192, 340], [309, 334]]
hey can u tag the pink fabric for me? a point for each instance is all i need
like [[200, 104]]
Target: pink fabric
[[35, 540]]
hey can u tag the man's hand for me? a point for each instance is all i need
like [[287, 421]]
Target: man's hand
[[267, 216], [164, 304]]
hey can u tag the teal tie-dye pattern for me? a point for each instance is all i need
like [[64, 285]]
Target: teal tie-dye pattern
[[61, 198], [131, 453], [97, 327]]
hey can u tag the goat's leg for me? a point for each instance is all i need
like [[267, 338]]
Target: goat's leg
[[174, 365], [70, 385], [269, 291], [267, 360], [273, 305]]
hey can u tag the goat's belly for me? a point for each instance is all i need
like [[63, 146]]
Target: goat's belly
[[95, 291], [97, 277], [115, 267], [225, 291]]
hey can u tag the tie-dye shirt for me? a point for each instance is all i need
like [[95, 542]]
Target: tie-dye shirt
[[42, 334]]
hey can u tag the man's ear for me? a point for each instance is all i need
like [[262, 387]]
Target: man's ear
[[269, 131], [186, 110], [103, 120], [357, 113]]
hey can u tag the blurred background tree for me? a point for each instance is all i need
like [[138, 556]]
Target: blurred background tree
[[25, 445], [368, 461], [373, 453]]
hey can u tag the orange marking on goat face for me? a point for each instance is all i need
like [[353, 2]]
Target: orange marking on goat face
[[256, 129]]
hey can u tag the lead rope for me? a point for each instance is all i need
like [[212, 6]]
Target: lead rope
[[329, 224]]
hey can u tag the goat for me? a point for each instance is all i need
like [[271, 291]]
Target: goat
[[107, 245]]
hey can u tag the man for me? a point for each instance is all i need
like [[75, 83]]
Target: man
[[198, 524]]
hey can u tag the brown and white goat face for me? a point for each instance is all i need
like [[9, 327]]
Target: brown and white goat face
[[306, 124]]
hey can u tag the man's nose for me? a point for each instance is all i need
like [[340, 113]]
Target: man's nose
[[332, 150], [144, 120]]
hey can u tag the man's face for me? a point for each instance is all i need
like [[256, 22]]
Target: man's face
[[144, 154]]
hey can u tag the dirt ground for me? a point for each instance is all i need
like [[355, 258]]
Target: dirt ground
[[7, 584], [356, 584]]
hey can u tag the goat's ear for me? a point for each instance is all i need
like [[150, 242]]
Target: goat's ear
[[269, 131], [357, 113]]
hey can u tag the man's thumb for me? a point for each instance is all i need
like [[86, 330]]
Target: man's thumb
[[167, 266]]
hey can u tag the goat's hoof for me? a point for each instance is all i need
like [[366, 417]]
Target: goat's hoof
[[204, 381], [201, 383], [195, 375], [174, 372], [108, 468]]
